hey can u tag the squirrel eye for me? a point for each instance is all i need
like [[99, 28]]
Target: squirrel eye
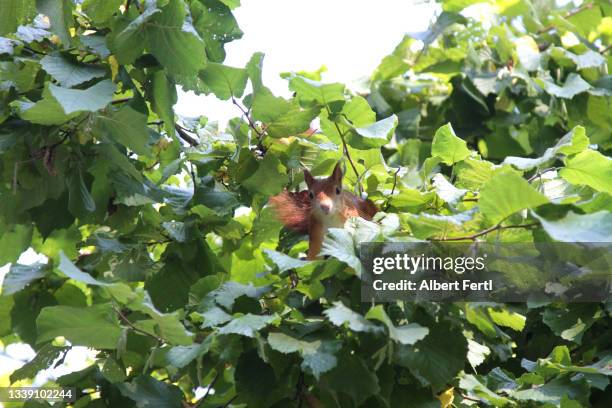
[[310, 195], [338, 190]]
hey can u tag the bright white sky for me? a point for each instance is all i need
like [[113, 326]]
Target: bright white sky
[[349, 37]]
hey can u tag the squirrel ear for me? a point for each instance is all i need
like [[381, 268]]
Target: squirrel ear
[[308, 178], [337, 173]]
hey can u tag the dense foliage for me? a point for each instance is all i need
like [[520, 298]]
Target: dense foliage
[[495, 130]]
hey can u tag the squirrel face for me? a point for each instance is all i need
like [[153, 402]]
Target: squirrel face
[[325, 194]]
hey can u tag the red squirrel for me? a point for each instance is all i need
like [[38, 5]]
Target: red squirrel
[[324, 205]]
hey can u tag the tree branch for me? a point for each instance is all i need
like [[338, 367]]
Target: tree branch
[[484, 232]]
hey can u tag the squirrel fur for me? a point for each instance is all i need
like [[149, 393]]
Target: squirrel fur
[[324, 205]]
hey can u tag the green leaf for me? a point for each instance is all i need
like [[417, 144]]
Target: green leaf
[[446, 191], [181, 356], [224, 81], [472, 173], [374, 135], [101, 11], [318, 356], [232, 4], [359, 112], [506, 318], [284, 262], [405, 334], [19, 276], [68, 72], [353, 377], [246, 325], [445, 20], [477, 389], [127, 127], [570, 322], [21, 75], [44, 358], [148, 392], [252, 375], [340, 315], [130, 42], [90, 99], [14, 240], [71, 271], [292, 122], [168, 326], [551, 392], [507, 193], [59, 105], [164, 99], [594, 227], [574, 85], [448, 147], [59, 14], [436, 359], [14, 13], [215, 316], [269, 178], [309, 90], [588, 59], [227, 294], [573, 142], [477, 353], [167, 35], [80, 201], [589, 168], [339, 244], [216, 25], [96, 326]]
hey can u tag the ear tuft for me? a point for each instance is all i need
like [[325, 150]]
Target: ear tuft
[[337, 173], [308, 178]]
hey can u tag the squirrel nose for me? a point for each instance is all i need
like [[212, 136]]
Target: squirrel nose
[[325, 208]]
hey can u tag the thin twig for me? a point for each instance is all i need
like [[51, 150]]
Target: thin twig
[[260, 133], [248, 118], [394, 185], [539, 173], [569, 14], [136, 329], [210, 386], [122, 100], [485, 232], [182, 132], [230, 401], [347, 154], [608, 48], [470, 398]]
